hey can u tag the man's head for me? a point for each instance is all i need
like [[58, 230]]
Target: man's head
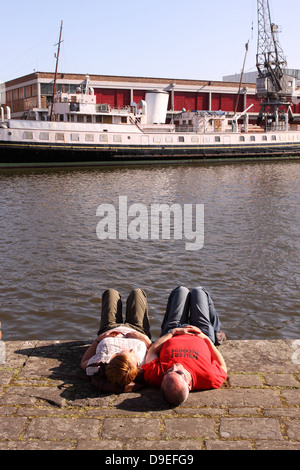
[[176, 384]]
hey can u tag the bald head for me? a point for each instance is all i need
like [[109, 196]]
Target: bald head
[[175, 388]]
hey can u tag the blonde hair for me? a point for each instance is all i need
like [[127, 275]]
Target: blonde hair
[[120, 371]]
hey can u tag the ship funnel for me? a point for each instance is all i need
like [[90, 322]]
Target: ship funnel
[[157, 106]]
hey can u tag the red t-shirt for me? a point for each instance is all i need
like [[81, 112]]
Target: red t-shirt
[[194, 354]]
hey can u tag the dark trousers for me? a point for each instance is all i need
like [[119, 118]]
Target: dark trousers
[[136, 316]]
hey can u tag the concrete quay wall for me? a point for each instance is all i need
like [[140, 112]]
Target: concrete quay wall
[[47, 403]]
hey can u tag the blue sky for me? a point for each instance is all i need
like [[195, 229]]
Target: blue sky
[[194, 39]]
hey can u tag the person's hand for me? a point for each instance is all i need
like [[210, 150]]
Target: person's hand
[[202, 335], [196, 331], [133, 387], [193, 330], [190, 330], [186, 330], [109, 334], [133, 334], [113, 333]]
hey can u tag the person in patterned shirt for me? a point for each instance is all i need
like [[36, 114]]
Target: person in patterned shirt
[[114, 359]]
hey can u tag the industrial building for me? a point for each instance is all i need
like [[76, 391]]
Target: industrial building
[[33, 92], [251, 77]]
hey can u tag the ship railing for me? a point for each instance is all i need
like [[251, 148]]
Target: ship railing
[[102, 108], [184, 129], [106, 108], [157, 130], [250, 128], [122, 110], [281, 126]]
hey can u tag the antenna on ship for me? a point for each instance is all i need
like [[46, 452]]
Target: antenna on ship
[[55, 75]]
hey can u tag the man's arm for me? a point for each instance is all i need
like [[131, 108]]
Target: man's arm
[[215, 352], [218, 356], [154, 350]]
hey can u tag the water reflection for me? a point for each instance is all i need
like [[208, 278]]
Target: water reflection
[[54, 268]]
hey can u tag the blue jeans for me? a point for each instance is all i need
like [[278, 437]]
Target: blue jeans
[[191, 308]]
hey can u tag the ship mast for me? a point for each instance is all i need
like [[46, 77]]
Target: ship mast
[[56, 66]]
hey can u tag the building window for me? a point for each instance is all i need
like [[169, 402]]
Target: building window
[[264, 137], [252, 138], [242, 138], [28, 91], [169, 138], [89, 137], [181, 138], [89, 118], [273, 137], [104, 138], [124, 120], [79, 118], [217, 139], [99, 119], [59, 136], [75, 137], [117, 138], [47, 88]]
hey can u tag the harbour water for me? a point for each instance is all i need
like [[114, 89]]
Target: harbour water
[[54, 267]]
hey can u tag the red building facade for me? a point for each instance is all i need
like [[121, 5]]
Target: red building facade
[[35, 91]]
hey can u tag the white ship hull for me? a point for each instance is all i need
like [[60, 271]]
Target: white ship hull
[[91, 136]]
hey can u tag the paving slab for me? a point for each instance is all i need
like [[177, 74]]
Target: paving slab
[[47, 403]]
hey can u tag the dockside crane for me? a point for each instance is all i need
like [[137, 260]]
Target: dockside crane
[[274, 87]]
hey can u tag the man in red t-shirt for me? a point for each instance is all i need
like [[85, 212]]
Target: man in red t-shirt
[[184, 358]]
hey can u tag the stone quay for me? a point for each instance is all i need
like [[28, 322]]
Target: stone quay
[[47, 403]]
